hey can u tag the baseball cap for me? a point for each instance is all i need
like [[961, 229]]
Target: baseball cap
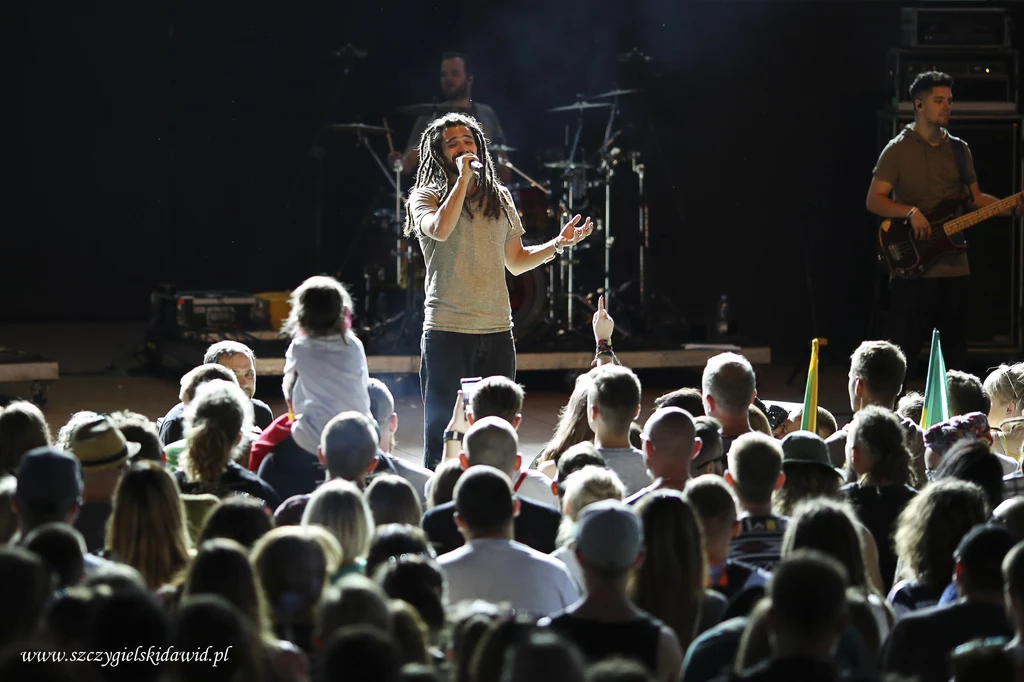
[[99, 444], [49, 481], [805, 447], [609, 536], [982, 550]]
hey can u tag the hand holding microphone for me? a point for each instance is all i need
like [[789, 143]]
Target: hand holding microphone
[[469, 163]]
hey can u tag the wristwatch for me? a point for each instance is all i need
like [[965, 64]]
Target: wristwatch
[[454, 435]]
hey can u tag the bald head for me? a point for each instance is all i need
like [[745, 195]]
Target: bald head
[[670, 442], [492, 441], [1011, 514], [348, 446]]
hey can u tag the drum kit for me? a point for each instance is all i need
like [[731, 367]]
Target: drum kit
[[556, 299]]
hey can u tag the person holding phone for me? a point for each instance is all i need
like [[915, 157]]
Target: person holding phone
[[470, 233]]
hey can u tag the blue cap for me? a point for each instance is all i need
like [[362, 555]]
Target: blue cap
[[49, 481]]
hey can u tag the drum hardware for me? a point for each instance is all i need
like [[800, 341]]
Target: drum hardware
[[568, 165], [580, 106], [616, 93]]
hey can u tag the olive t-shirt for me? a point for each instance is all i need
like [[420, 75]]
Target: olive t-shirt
[[465, 282], [923, 175]]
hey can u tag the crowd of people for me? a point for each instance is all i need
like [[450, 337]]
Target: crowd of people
[[709, 540]]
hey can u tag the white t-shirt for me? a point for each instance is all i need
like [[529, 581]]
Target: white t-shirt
[[537, 487], [499, 570], [331, 378], [567, 555], [629, 464]]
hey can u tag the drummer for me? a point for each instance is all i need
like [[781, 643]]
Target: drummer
[[456, 86]]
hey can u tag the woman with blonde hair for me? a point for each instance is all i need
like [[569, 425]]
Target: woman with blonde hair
[[221, 567], [586, 486], [572, 428], [669, 584], [146, 528], [340, 507], [214, 422], [293, 568], [1005, 387]]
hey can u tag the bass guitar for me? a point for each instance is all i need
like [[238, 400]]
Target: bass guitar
[[909, 257]]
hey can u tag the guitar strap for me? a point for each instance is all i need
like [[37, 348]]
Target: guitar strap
[[961, 164]]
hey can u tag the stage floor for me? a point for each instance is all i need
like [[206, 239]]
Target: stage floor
[[96, 361]]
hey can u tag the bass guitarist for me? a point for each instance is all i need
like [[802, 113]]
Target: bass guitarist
[[920, 168]]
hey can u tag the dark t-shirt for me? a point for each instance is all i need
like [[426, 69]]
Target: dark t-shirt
[[290, 470], [923, 175], [878, 508], [92, 524], [172, 428], [920, 642], [599, 640], [234, 479], [536, 527]]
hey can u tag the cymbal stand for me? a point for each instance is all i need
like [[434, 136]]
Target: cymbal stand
[[533, 183], [396, 184], [645, 234], [567, 264], [609, 171], [399, 252]]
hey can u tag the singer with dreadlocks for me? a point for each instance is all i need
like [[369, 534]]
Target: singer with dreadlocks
[[470, 232]]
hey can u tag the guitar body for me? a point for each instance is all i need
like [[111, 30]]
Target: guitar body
[[909, 257]]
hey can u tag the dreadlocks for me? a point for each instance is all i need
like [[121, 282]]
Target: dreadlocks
[[435, 170]]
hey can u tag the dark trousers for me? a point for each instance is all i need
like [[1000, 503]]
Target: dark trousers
[[916, 306], [446, 358]]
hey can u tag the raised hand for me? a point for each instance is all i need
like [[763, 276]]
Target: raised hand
[[602, 322]]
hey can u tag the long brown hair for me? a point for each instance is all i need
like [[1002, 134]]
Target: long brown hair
[[670, 583], [572, 427], [931, 526], [146, 528], [436, 171]]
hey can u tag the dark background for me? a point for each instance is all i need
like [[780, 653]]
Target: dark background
[[167, 142]]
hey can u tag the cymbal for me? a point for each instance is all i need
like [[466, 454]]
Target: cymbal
[[616, 93], [428, 108], [562, 165], [361, 128], [494, 147], [580, 106]]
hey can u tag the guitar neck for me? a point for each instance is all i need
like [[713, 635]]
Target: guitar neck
[[974, 217]]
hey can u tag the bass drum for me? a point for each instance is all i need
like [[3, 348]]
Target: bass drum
[[528, 296]]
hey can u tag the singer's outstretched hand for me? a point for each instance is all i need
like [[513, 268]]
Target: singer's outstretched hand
[[572, 235]]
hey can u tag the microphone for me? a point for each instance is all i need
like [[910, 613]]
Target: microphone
[[476, 165]]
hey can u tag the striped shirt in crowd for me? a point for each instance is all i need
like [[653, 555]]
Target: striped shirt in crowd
[[759, 541]]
